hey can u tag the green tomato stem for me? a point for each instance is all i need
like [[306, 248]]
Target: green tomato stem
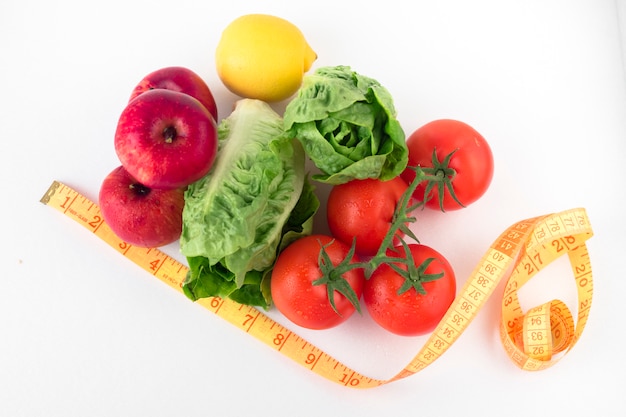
[[332, 276], [414, 275], [441, 176], [399, 225]]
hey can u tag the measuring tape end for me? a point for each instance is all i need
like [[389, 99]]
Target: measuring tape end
[[51, 190]]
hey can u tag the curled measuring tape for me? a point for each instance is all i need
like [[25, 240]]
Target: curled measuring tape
[[532, 340]]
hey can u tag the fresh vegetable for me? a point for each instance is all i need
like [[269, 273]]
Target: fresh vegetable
[[309, 285], [411, 306], [457, 159], [347, 125], [364, 210], [253, 202], [310, 278]]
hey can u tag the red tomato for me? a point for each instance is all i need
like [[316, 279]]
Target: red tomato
[[468, 172], [293, 290], [363, 209], [410, 313]]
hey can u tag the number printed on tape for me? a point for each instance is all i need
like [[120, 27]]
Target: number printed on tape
[[530, 339]]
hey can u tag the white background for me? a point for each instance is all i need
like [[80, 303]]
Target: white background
[[83, 332]]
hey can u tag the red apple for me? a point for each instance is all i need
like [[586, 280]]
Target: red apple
[[166, 139], [179, 79], [140, 215]]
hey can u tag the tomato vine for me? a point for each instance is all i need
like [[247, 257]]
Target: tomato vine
[[388, 252]]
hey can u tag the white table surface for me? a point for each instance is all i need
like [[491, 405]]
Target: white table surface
[[85, 333]]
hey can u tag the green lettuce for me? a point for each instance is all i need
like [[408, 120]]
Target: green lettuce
[[255, 200], [347, 125]]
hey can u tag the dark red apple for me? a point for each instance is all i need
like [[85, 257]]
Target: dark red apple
[[139, 215], [166, 139], [179, 79]]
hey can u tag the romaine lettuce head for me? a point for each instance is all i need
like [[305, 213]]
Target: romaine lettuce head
[[347, 125], [236, 217]]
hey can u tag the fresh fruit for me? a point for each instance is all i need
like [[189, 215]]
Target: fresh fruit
[[364, 210], [414, 306], [138, 214], [179, 79], [456, 157], [166, 139], [263, 57], [313, 294]]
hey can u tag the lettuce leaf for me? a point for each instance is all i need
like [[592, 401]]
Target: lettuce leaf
[[237, 218], [347, 125]]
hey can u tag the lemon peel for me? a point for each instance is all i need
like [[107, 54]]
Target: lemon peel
[[263, 57]]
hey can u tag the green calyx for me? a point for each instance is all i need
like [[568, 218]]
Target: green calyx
[[332, 276], [440, 176], [414, 275]]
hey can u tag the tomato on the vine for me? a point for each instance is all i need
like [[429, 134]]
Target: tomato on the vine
[[309, 287], [364, 209], [457, 159], [415, 305]]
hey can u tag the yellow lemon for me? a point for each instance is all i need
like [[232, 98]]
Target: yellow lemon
[[263, 57]]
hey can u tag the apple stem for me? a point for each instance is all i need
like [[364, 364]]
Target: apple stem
[[139, 189], [169, 134]]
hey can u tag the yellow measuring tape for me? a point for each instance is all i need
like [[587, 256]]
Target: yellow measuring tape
[[532, 340]]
